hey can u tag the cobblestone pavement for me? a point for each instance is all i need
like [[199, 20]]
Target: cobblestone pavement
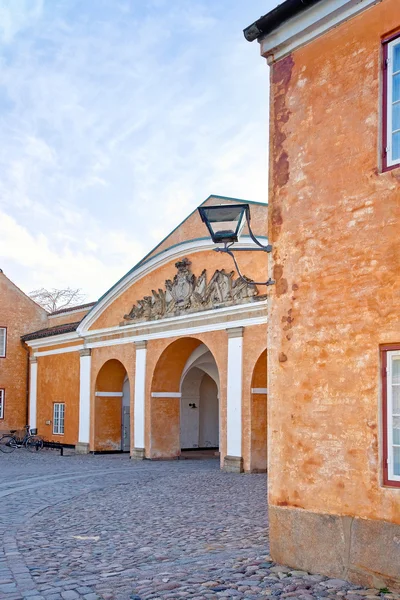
[[104, 527]]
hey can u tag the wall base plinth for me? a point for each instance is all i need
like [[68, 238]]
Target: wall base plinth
[[82, 448], [138, 454], [233, 464], [362, 551]]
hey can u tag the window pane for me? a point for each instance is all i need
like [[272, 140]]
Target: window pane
[[396, 88], [396, 369], [396, 146], [396, 430], [396, 117], [396, 58], [396, 461], [396, 399], [2, 341]]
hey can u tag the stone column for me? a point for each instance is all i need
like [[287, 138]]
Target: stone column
[[82, 447], [32, 392], [233, 462], [138, 450]]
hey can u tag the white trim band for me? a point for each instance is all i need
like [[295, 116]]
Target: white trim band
[[163, 334], [259, 390], [166, 395], [109, 394], [180, 332], [60, 350]]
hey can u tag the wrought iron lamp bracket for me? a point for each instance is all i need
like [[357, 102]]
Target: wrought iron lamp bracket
[[227, 249]]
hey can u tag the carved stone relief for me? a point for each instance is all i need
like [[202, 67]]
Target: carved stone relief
[[186, 293]]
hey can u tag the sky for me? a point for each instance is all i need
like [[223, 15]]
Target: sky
[[117, 119]]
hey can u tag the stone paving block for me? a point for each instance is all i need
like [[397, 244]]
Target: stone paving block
[[69, 595], [5, 588], [165, 531]]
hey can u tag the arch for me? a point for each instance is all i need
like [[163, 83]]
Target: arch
[[259, 397], [202, 358], [111, 407], [186, 359]]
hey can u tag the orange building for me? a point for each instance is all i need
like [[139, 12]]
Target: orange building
[[172, 357], [334, 327], [18, 315]]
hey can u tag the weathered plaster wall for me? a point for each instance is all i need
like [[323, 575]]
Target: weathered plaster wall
[[334, 225], [20, 315], [58, 381]]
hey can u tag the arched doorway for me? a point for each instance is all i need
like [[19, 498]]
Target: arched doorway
[[259, 396], [185, 374], [111, 420], [199, 417]]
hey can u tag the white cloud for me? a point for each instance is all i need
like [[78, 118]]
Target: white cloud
[[17, 15], [116, 121]]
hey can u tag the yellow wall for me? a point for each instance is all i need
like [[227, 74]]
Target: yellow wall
[[58, 381], [334, 226]]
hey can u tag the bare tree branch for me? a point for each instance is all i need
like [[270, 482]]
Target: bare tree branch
[[52, 300]]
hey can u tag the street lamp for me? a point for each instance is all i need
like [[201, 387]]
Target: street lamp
[[225, 224]]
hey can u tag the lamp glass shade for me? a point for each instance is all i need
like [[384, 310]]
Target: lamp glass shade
[[224, 222]]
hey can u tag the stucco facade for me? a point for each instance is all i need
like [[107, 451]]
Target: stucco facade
[[172, 357], [334, 225], [18, 315]]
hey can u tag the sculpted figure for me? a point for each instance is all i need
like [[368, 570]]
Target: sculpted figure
[[198, 299], [243, 291], [158, 304], [219, 289], [188, 293]]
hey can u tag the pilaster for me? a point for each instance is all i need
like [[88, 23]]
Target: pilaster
[[33, 392], [138, 450], [233, 462], [82, 447]]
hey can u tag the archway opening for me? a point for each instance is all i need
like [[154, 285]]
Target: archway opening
[[184, 400], [199, 417], [112, 408], [259, 397]]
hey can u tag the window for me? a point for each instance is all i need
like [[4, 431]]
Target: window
[[58, 417], [391, 104], [3, 341], [2, 394], [391, 416]]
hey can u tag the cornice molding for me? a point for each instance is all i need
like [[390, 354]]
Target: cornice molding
[[175, 252], [309, 25]]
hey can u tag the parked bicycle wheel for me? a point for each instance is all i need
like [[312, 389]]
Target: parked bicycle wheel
[[34, 443], [7, 443]]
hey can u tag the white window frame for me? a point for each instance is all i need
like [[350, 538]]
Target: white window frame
[[58, 418], [389, 409], [3, 350], [390, 161], [2, 396]]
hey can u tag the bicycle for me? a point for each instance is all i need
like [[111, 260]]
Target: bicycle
[[9, 442]]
